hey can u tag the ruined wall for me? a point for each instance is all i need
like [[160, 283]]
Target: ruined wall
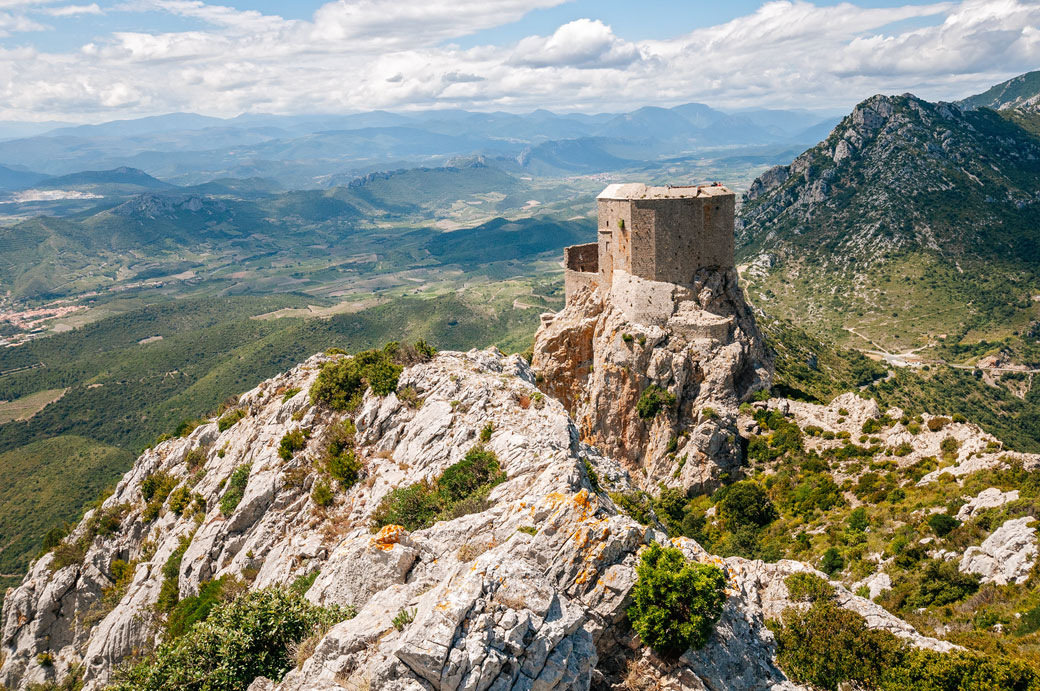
[[615, 218], [581, 268]]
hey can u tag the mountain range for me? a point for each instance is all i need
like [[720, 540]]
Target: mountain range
[[301, 150]]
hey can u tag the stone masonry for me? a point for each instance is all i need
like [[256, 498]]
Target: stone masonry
[[664, 234]]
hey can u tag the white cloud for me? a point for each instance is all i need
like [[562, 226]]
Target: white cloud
[[581, 43], [73, 10], [368, 54]]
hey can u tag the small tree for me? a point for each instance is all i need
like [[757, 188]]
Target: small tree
[[675, 602]]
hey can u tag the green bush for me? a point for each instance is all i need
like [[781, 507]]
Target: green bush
[[675, 602], [228, 419], [322, 493], [486, 432], [832, 562], [341, 384], [461, 489], [942, 523], [236, 489], [169, 591], [746, 504], [289, 393], [193, 609], [653, 400], [292, 442], [478, 468], [340, 461], [826, 645], [942, 583], [808, 587], [236, 643], [871, 426], [179, 500]]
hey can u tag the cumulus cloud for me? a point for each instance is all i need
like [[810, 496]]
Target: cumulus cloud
[[581, 43], [367, 54]]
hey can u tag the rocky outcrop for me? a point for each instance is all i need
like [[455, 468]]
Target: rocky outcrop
[[989, 498], [698, 342], [1006, 556], [493, 606]]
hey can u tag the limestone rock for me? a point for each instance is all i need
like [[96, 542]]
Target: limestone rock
[[986, 499], [1006, 556], [699, 342]]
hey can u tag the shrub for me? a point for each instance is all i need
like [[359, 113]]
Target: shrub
[[949, 447], [236, 489], [322, 494], [341, 384], [528, 529], [903, 449], [592, 475], [745, 503], [675, 602], [169, 591], [627, 338], [826, 645], [341, 462], [179, 500], [461, 489], [236, 643], [193, 609], [302, 583], [942, 583], [959, 417], [636, 504], [653, 400], [858, 520], [486, 432], [942, 523], [292, 442], [289, 393], [709, 413], [808, 587], [937, 423], [403, 618], [228, 419], [195, 458], [832, 562], [871, 426]]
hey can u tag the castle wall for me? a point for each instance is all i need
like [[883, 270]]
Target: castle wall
[[581, 264], [690, 234], [573, 281], [615, 218]]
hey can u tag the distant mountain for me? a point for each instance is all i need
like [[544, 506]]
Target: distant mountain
[[303, 150], [11, 179], [1023, 90], [139, 126], [569, 156], [122, 178], [912, 222]]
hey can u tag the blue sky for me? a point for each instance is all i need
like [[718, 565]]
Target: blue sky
[[88, 61]]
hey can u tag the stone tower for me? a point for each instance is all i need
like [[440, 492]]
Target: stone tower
[[663, 234]]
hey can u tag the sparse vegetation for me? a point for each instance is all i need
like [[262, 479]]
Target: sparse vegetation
[[653, 400], [461, 489]]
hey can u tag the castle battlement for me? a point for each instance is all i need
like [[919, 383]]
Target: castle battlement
[[661, 234]]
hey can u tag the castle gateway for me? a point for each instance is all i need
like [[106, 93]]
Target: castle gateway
[[661, 234]]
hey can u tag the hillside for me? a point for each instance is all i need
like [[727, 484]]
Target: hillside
[[1017, 92], [911, 226]]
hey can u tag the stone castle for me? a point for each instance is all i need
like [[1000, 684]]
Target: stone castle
[[663, 234]]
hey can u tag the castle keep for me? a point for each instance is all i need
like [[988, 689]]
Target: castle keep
[[661, 234]]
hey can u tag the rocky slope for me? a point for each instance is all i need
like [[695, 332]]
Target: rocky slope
[[911, 224], [600, 356], [494, 606]]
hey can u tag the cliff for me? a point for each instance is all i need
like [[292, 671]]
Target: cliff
[[697, 344], [526, 586]]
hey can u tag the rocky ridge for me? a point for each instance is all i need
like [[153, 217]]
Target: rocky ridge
[[494, 607]]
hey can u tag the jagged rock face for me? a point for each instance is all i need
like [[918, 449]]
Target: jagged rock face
[[495, 607], [699, 342]]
